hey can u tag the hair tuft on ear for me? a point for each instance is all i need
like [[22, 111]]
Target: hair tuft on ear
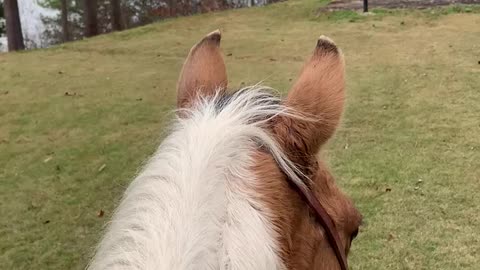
[[326, 46]]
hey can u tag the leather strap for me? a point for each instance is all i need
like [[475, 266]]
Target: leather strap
[[326, 221]]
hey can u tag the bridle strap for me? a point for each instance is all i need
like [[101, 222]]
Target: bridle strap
[[326, 221]]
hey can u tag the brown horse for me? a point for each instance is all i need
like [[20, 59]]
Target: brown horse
[[238, 183]]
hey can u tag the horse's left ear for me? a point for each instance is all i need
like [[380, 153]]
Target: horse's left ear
[[203, 72]]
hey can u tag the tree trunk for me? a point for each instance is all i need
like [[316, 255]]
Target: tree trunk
[[91, 21], [14, 27], [2, 26], [64, 11], [172, 5], [117, 16]]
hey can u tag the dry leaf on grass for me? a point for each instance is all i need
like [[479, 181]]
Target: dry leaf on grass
[[102, 167]]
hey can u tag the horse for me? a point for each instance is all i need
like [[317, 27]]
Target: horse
[[238, 183]]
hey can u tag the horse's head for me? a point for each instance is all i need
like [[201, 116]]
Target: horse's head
[[318, 97], [238, 183]]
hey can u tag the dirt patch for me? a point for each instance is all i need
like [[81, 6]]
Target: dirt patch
[[358, 4]]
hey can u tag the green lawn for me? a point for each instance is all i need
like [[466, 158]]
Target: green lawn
[[408, 151]]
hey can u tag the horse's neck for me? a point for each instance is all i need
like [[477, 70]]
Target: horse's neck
[[192, 207]]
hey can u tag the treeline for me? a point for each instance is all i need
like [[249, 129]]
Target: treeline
[[2, 20], [86, 18]]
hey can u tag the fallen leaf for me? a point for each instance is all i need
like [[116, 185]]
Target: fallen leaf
[[100, 213], [102, 168], [390, 237], [23, 139], [70, 94], [33, 205]]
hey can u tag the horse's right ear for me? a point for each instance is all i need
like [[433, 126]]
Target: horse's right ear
[[203, 72], [318, 93]]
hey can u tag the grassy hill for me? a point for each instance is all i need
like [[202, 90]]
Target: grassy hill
[[77, 121]]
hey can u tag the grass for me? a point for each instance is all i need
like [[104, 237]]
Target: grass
[[413, 107], [380, 13]]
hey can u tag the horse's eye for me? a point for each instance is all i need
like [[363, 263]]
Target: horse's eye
[[354, 234]]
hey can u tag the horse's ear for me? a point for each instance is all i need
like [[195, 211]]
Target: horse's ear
[[319, 94], [203, 71]]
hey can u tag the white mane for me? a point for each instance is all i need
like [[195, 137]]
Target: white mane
[[194, 206]]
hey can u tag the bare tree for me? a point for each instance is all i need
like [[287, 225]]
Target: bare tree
[[91, 20], [172, 4], [2, 24], [14, 27], [117, 24], [64, 14]]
